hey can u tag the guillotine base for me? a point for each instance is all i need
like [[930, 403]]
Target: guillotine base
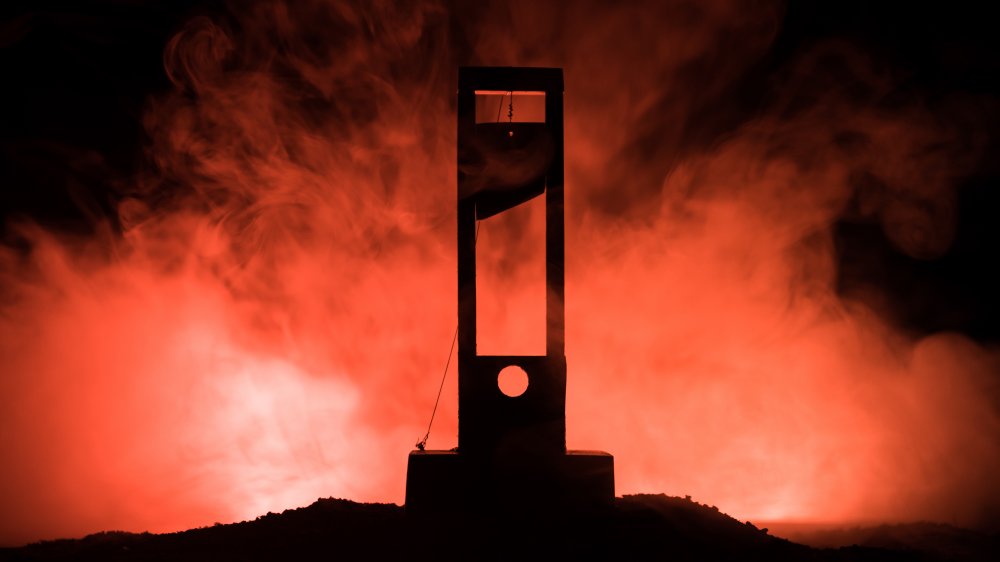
[[448, 482]]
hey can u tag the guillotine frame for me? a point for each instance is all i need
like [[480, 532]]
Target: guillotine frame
[[511, 450]]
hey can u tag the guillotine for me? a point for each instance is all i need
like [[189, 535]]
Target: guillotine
[[511, 449]]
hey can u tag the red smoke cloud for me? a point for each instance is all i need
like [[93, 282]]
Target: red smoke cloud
[[270, 324]]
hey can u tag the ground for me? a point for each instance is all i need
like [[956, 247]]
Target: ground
[[641, 527]]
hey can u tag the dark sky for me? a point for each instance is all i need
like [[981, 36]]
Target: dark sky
[[76, 77]]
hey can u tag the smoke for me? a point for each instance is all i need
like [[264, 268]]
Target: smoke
[[265, 320]]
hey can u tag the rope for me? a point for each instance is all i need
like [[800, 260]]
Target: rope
[[500, 107], [422, 444], [510, 108]]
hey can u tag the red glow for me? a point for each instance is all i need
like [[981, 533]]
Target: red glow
[[275, 332], [510, 281]]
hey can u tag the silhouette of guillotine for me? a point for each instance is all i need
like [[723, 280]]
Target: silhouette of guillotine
[[511, 450]]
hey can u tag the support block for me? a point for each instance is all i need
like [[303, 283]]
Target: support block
[[447, 482]]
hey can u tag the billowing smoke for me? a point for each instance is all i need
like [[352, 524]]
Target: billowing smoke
[[265, 319]]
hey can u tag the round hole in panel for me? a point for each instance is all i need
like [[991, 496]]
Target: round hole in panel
[[513, 381]]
